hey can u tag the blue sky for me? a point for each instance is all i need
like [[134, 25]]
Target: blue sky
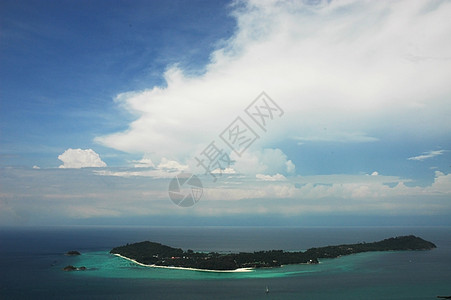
[[104, 102]]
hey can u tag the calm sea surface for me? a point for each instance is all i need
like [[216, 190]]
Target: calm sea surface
[[31, 262]]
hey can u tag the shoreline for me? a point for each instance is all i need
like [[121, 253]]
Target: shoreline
[[239, 270]]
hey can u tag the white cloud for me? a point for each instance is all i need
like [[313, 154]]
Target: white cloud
[[441, 185], [268, 161], [343, 71], [145, 162], [334, 193], [79, 158], [171, 165], [429, 154], [224, 171], [291, 168], [348, 71], [146, 168], [337, 136], [277, 177], [153, 173], [79, 193]]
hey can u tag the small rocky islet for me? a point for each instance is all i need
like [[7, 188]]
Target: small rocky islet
[[72, 253], [70, 268]]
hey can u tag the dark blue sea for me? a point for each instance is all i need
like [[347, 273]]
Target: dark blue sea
[[31, 262]]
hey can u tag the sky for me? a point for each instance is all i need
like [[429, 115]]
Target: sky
[[287, 112]]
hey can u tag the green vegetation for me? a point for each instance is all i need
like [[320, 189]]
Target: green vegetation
[[151, 253]]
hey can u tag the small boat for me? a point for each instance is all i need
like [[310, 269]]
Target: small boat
[[267, 290]]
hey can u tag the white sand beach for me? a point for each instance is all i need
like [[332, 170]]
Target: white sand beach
[[190, 269]]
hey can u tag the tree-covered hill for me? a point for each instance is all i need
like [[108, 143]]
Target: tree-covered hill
[[152, 253]]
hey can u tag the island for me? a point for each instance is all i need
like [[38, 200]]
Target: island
[[158, 255], [72, 268], [73, 253]]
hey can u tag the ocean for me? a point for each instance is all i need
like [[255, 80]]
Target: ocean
[[31, 262]]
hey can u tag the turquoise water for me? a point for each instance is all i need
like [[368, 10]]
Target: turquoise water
[[31, 262]]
